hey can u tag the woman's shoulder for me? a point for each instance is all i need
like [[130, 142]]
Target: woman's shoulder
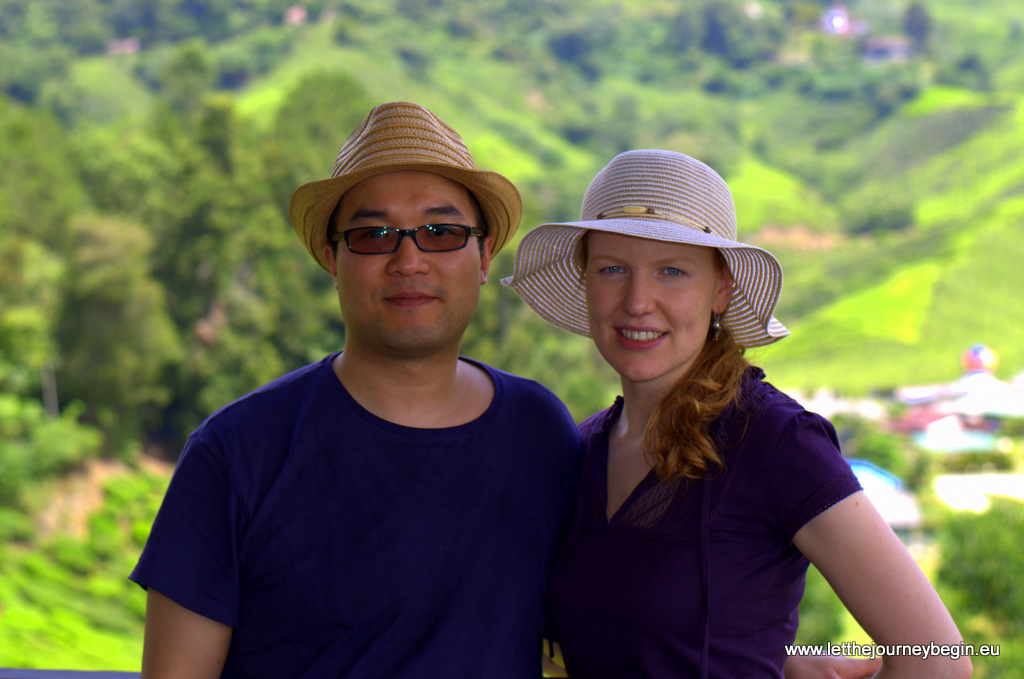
[[761, 410], [758, 394], [600, 422]]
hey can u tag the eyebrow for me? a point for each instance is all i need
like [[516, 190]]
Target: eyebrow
[[436, 211], [367, 214]]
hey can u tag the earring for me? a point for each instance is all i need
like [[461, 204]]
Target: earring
[[716, 325]]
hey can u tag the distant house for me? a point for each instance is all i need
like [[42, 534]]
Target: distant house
[[123, 46], [887, 49], [951, 434], [962, 416], [979, 393], [296, 15], [973, 491]]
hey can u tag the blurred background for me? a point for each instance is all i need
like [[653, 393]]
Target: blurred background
[[149, 275]]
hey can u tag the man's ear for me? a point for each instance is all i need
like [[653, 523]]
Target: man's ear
[[332, 261], [485, 259]]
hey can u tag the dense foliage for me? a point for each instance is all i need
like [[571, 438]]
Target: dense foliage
[[148, 273], [144, 216], [981, 565], [66, 600]]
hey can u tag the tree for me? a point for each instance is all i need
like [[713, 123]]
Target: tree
[[729, 33], [684, 30], [983, 559], [864, 439], [917, 22], [82, 24], [29, 299], [40, 190], [979, 577], [215, 130], [187, 76], [34, 445], [116, 336], [316, 117]]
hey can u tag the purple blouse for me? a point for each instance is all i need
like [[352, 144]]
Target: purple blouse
[[698, 578]]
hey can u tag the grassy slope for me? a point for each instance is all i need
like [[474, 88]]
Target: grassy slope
[[961, 288], [767, 196], [65, 600], [875, 314]]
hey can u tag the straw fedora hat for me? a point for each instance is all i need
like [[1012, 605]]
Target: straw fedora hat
[[403, 136], [661, 195]]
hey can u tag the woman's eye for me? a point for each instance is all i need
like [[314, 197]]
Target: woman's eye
[[612, 269], [672, 271]]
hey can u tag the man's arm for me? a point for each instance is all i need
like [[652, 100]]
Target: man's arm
[[181, 643]]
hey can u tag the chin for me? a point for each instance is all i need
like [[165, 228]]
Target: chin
[[638, 375]]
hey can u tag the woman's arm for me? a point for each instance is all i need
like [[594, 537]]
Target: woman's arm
[[181, 643], [882, 586]]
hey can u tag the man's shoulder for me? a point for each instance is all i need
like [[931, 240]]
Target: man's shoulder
[[529, 408], [275, 401], [517, 386]]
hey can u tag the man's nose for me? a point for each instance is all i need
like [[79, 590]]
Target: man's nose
[[408, 259]]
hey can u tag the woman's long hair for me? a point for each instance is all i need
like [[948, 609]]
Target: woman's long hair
[[677, 439]]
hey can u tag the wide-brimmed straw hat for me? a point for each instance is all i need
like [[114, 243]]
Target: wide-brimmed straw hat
[[660, 195], [403, 136]]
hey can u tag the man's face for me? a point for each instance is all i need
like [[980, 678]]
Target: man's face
[[409, 303]]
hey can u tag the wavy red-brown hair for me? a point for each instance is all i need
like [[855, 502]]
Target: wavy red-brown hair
[[677, 440]]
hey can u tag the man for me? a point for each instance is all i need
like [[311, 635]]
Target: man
[[393, 509]]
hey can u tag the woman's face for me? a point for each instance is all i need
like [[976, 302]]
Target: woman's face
[[650, 304]]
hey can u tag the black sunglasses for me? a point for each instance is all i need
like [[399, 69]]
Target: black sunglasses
[[383, 240]]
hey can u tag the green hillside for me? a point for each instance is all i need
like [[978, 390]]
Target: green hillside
[[148, 273], [813, 157], [886, 296], [66, 600], [952, 277]]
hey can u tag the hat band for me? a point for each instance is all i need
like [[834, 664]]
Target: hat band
[[635, 211]]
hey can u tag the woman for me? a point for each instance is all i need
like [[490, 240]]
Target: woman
[[705, 490]]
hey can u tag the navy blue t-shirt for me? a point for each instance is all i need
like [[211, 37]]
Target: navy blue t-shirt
[[338, 544]]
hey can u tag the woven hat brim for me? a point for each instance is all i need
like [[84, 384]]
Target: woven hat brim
[[547, 278], [312, 203]]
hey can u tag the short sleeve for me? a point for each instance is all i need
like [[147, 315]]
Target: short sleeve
[[808, 474], [191, 555]]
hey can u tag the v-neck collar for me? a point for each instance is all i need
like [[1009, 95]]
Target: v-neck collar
[[649, 480]]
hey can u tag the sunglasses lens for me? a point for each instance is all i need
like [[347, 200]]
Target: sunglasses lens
[[371, 240], [441, 237]]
